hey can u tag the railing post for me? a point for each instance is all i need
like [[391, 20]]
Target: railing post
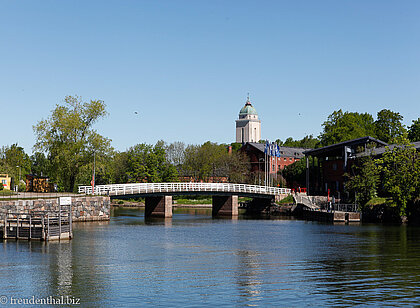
[[30, 226]]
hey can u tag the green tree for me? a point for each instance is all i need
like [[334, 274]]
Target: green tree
[[388, 126], [119, 167], [147, 163], [40, 164], [345, 126], [307, 142], [15, 162], [400, 168], [363, 180], [69, 139], [295, 174], [214, 160], [414, 131]]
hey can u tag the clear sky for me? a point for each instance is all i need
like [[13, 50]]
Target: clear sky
[[186, 66]]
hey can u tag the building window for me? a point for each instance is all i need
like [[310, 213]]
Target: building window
[[3, 182], [334, 166], [290, 158]]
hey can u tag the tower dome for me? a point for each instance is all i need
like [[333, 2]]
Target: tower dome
[[248, 109]]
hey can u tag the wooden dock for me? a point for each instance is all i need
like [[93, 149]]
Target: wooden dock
[[332, 216], [41, 225]]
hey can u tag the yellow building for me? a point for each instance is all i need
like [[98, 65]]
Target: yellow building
[[5, 181]]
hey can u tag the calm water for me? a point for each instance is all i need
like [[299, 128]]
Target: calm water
[[193, 260]]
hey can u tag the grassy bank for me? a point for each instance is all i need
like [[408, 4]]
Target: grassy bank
[[286, 201]]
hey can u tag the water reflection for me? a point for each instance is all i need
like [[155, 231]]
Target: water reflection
[[373, 264], [195, 260], [248, 277]]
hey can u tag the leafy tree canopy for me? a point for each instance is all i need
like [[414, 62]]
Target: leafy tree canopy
[[388, 126], [341, 126], [414, 131], [41, 166], [307, 142], [69, 140], [363, 180], [400, 168], [147, 163], [14, 161]]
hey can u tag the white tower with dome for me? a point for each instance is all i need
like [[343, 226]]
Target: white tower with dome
[[248, 126]]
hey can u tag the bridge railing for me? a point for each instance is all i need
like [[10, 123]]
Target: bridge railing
[[144, 188]]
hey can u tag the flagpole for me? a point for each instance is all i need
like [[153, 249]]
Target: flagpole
[[265, 169], [93, 179]]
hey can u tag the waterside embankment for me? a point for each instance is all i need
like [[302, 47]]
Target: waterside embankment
[[93, 208]]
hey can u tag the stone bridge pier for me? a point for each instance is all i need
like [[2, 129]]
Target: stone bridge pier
[[159, 206], [226, 206]]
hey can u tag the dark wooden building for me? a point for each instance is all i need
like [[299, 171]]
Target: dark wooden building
[[330, 163]]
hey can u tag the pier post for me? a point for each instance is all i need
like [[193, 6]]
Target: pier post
[[158, 207], [225, 206]]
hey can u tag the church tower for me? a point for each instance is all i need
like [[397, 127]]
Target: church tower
[[248, 126]]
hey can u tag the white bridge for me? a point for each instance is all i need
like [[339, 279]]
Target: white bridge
[[150, 189]]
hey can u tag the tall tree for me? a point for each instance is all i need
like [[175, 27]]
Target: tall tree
[[214, 160], [14, 161], [147, 163], [68, 138], [400, 168], [414, 131], [346, 126], [388, 126], [363, 180], [40, 164]]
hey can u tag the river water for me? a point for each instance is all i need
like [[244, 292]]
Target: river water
[[193, 260]]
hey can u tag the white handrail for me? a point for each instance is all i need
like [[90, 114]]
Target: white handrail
[[141, 188]]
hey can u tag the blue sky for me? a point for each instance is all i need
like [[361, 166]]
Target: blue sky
[[186, 66]]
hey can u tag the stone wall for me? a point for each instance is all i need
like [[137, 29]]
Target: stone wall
[[83, 208]]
